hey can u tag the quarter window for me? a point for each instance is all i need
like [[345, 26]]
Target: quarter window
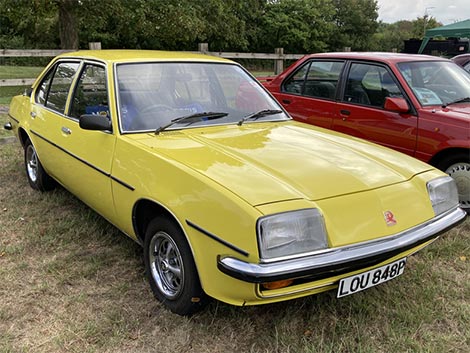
[[41, 93]]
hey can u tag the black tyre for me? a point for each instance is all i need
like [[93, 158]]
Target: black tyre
[[37, 176], [458, 167], [170, 268]]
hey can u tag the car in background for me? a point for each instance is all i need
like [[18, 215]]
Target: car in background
[[462, 60], [415, 104], [229, 197]]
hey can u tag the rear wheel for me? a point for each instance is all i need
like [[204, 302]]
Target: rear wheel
[[458, 167], [170, 268], [37, 176]]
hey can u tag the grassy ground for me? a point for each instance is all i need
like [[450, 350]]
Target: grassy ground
[[3, 120], [7, 71], [11, 72], [70, 282]]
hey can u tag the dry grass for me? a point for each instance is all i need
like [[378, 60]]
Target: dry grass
[[70, 282]]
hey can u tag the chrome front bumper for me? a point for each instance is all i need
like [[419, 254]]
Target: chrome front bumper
[[336, 261]]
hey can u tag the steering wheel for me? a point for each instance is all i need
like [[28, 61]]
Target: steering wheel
[[149, 117]]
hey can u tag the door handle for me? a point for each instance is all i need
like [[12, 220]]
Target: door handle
[[33, 114], [286, 101], [66, 130], [345, 113]]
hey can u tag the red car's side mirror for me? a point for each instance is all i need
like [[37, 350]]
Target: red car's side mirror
[[399, 105]]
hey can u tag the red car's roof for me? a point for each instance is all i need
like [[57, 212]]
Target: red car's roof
[[377, 56], [461, 59]]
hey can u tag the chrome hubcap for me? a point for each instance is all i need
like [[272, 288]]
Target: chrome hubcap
[[166, 265], [32, 163], [461, 174]]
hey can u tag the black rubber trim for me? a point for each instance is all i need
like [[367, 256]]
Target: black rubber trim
[[12, 118], [218, 239], [84, 162]]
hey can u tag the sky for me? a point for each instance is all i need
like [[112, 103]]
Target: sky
[[444, 11]]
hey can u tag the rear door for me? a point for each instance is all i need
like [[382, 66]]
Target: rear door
[[309, 93], [361, 113]]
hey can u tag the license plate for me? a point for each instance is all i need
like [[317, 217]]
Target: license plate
[[357, 283]]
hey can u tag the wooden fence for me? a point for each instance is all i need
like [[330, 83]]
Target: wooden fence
[[203, 48]]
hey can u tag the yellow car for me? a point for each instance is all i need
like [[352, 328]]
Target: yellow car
[[231, 199]]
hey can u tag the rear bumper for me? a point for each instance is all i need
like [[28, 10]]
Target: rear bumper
[[337, 261]]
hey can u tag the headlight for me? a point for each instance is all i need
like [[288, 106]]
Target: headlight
[[291, 233], [443, 194]]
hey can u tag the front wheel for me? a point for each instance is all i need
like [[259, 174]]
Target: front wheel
[[37, 176], [170, 268], [458, 167]]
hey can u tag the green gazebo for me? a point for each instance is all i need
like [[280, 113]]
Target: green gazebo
[[455, 30]]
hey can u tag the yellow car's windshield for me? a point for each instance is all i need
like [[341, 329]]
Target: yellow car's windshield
[[155, 96]]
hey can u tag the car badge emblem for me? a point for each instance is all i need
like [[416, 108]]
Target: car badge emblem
[[389, 218]]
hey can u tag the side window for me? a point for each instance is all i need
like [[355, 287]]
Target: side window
[[294, 84], [322, 79], [369, 84], [467, 67], [56, 98], [41, 93], [91, 94]]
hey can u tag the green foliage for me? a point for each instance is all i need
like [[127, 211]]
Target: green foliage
[[230, 25], [356, 22], [392, 36], [297, 25], [28, 24]]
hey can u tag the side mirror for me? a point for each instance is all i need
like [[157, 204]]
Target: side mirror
[[95, 122], [399, 105]]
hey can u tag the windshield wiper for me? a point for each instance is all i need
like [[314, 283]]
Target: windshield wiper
[[460, 100], [192, 118], [259, 114]]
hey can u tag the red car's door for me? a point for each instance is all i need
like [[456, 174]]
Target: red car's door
[[361, 113], [309, 94], [309, 110]]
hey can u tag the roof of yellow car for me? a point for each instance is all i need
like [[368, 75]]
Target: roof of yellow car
[[119, 55]]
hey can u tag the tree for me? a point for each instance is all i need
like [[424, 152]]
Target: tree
[[68, 22], [355, 24], [298, 26], [28, 24]]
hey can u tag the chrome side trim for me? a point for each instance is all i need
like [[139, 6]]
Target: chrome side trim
[[343, 259]]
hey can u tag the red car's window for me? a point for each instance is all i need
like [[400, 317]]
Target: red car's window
[[369, 84], [317, 79], [322, 79], [295, 83]]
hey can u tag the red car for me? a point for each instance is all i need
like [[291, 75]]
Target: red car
[[416, 104], [462, 60]]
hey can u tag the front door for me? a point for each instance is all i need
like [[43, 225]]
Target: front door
[[361, 113]]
